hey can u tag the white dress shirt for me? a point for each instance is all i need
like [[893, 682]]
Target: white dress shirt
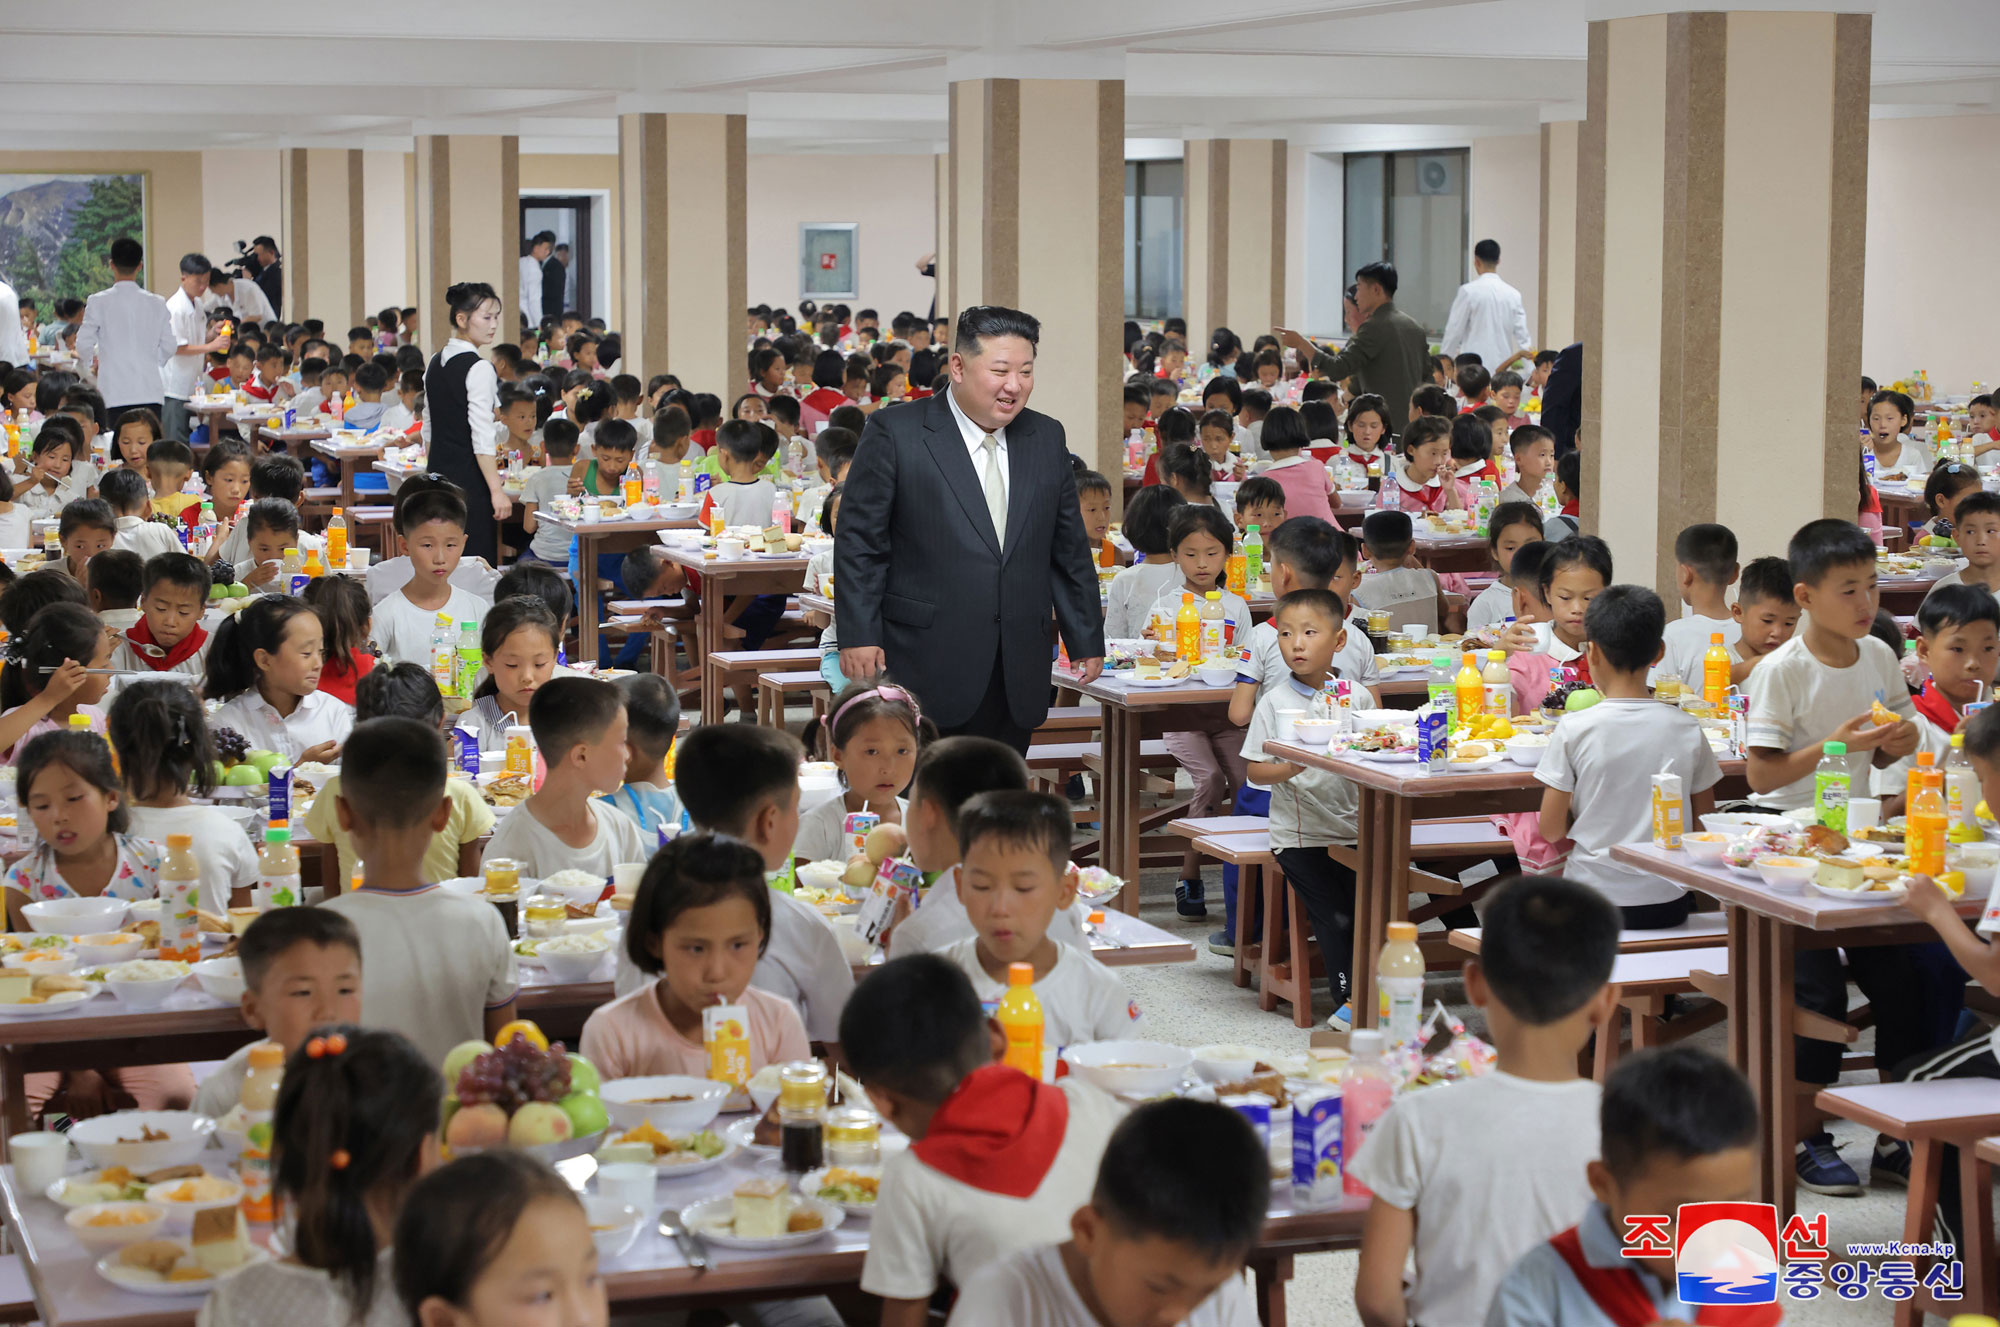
[[482, 394], [130, 334], [1488, 319], [318, 718], [13, 336], [531, 290], [247, 298], [181, 374], [975, 446]]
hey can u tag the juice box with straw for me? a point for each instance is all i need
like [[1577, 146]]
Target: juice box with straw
[[725, 1030]]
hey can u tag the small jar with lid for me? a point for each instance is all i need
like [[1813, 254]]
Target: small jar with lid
[[543, 917], [853, 1137], [802, 1116]]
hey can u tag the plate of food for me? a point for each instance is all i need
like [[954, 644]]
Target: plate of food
[[762, 1214], [50, 995], [682, 1154], [504, 791], [195, 1193], [852, 1188], [1404, 755], [113, 1184], [743, 1134], [1870, 891], [218, 1247], [1474, 755]]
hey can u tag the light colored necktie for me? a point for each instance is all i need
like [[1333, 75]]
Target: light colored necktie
[[996, 488]]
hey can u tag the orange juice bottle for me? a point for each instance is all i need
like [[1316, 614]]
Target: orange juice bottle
[[1107, 554], [1187, 631], [1715, 672], [635, 486], [1927, 822], [336, 539], [1238, 573], [1471, 689], [260, 1101], [180, 884], [1913, 783], [1020, 1020]]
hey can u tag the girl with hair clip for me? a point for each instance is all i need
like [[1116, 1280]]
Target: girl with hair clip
[[225, 469], [160, 735], [58, 468], [47, 676], [574, 384], [1947, 484], [519, 642], [355, 1129], [345, 617], [1224, 349], [594, 404], [497, 1239], [462, 389], [1418, 480], [265, 665], [1176, 427], [872, 735]]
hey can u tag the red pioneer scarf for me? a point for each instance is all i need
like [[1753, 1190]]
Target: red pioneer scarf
[[1936, 708], [1617, 1292], [158, 657], [999, 1131]]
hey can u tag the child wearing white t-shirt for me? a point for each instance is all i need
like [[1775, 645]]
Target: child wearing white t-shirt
[[1705, 568], [579, 726], [432, 527]]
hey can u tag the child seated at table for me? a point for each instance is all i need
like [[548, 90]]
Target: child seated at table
[[1512, 527], [406, 691], [1473, 383], [1976, 527], [746, 495], [1569, 477], [1301, 475], [1217, 431], [442, 967], [474, 1232], [1705, 568], [652, 723], [85, 529], [1000, 1161], [950, 772], [168, 464], [1185, 468], [1128, 602], [742, 780], [46, 680], [347, 619], [1534, 451], [833, 452], [1600, 763], [1958, 644], [1507, 387], [1890, 415], [1472, 451], [401, 414], [1311, 809], [1549, 619], [1398, 583], [114, 577], [301, 971], [431, 525], [137, 431], [1418, 483], [1013, 879], [356, 1127], [550, 544], [1766, 614], [1368, 431], [1093, 500], [131, 503], [579, 727], [1260, 502], [1471, 1181], [168, 636], [699, 924], [1949, 482], [161, 738], [872, 736], [1180, 1201], [1676, 1126], [370, 381]]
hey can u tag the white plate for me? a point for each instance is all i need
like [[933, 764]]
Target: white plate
[[740, 1133], [156, 1195], [1386, 757], [1133, 680], [1484, 762], [1892, 895], [673, 1170], [53, 1005], [810, 1181], [124, 1279], [701, 1219], [55, 1194]]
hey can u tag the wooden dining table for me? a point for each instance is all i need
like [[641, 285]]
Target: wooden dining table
[[761, 573]]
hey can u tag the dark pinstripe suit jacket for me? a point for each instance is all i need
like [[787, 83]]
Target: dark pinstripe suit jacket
[[920, 572]]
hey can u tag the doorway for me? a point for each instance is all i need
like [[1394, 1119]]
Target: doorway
[[569, 217]]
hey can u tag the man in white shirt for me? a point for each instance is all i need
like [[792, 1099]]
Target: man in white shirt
[[128, 334], [13, 336], [187, 310], [531, 277], [245, 296], [1487, 317]]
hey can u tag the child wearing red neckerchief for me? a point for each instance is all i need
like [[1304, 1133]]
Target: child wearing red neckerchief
[[1001, 1160], [169, 636]]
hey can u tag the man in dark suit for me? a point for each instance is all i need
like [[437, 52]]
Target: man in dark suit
[[555, 282], [959, 533]]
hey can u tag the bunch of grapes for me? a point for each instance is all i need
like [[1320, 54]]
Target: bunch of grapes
[[514, 1075], [1558, 696], [230, 745]]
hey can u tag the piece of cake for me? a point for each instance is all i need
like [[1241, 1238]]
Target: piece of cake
[[16, 987], [1839, 873], [157, 1256], [220, 1242], [761, 1208]]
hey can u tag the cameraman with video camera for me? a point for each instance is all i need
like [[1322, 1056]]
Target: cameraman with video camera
[[262, 265]]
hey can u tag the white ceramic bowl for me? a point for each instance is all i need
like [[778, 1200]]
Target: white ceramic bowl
[[1217, 675], [106, 1140], [1737, 824], [138, 995], [613, 1225], [852, 947], [74, 916], [1786, 873], [221, 978], [1365, 721], [1130, 1066], [1707, 846], [822, 875], [621, 1097], [146, 910], [1316, 732], [1527, 750], [574, 966], [43, 962], [763, 1087], [1224, 1064], [576, 896], [100, 1239], [127, 946]]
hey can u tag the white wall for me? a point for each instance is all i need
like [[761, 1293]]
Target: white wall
[[1504, 203], [1932, 247], [239, 199], [1315, 264], [893, 200], [387, 281]]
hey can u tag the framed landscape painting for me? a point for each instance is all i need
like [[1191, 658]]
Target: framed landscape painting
[[56, 231]]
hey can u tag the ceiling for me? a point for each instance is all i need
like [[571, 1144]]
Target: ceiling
[[851, 77]]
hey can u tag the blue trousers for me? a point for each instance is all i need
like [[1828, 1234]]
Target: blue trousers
[[1249, 802]]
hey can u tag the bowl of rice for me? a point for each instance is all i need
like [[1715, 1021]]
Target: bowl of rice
[[572, 958], [145, 983], [579, 889]]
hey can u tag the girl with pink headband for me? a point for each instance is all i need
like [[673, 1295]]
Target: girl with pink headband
[[872, 736]]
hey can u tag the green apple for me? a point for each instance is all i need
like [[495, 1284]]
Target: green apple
[[221, 773], [245, 775], [239, 591], [218, 592], [265, 761], [460, 1056], [583, 1076], [586, 1113], [1581, 700]]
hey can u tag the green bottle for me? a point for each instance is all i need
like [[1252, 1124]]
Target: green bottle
[[1831, 785], [1253, 558], [469, 658]]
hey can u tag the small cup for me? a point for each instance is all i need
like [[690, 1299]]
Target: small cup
[[729, 550], [357, 558], [628, 1182], [1863, 813], [39, 1159], [1288, 724]]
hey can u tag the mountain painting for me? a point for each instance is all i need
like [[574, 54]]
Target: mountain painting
[[56, 231]]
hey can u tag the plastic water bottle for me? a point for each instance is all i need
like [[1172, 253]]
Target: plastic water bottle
[[781, 513], [443, 660], [1253, 557], [468, 658], [204, 530], [1365, 1091]]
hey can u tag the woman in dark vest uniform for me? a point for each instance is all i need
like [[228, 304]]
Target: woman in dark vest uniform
[[460, 392]]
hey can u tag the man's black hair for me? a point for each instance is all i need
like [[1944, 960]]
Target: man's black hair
[[1382, 274], [983, 321]]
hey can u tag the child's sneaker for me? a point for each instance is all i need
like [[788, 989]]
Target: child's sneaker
[[1891, 1162], [1188, 899], [1341, 1019], [1223, 943], [1820, 1169]]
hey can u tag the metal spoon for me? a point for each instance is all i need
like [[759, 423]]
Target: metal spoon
[[690, 1247]]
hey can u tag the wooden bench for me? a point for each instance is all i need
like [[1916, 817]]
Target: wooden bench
[[1929, 1116], [1645, 980], [1700, 930], [1067, 719], [726, 669], [1203, 826], [1250, 853], [775, 689]]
